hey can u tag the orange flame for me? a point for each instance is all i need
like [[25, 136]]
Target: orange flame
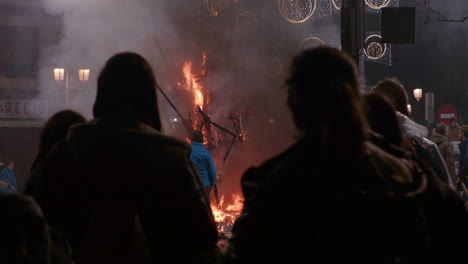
[[187, 71], [229, 208], [192, 83], [228, 213]]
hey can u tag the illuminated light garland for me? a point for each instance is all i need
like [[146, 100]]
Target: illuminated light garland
[[375, 50], [214, 7], [313, 42], [209, 6], [285, 5], [377, 4], [337, 4], [246, 16]]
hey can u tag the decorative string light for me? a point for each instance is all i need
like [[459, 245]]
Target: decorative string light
[[374, 49], [310, 42], [377, 4], [337, 4], [297, 11]]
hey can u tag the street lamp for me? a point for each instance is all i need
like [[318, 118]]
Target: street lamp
[[83, 75], [61, 75], [417, 92]]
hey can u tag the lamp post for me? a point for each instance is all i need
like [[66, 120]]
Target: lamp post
[[64, 80]]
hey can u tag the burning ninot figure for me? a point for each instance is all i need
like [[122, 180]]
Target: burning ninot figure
[[333, 196]]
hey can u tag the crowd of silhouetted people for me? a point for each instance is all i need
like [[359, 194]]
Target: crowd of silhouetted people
[[362, 183]]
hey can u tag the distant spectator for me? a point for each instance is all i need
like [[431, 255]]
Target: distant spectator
[[454, 130], [7, 178], [446, 148]]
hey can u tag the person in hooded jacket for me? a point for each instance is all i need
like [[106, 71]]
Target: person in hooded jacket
[[330, 198], [454, 130], [120, 190], [447, 149]]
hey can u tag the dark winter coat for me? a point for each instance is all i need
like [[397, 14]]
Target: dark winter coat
[[124, 193], [446, 150], [463, 146], [305, 208], [427, 151]]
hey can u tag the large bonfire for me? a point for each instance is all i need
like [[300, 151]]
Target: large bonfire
[[226, 207]]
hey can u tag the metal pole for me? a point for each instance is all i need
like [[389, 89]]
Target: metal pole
[[188, 127], [66, 89], [352, 28]]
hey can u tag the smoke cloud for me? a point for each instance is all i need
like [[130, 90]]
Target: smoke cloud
[[248, 45]]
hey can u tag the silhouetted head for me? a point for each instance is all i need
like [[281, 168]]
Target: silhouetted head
[[10, 164], [55, 129], [57, 126], [382, 118], [127, 90], [197, 136], [441, 128], [25, 235], [453, 121], [323, 95], [393, 91]]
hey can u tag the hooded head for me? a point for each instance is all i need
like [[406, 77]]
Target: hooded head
[[54, 130], [393, 91], [127, 90], [323, 95]]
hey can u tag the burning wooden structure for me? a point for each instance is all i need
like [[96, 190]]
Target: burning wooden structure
[[193, 91]]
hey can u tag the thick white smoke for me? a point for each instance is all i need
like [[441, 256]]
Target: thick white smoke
[[249, 46]]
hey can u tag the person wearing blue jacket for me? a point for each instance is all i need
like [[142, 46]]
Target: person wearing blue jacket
[[203, 162], [7, 178]]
